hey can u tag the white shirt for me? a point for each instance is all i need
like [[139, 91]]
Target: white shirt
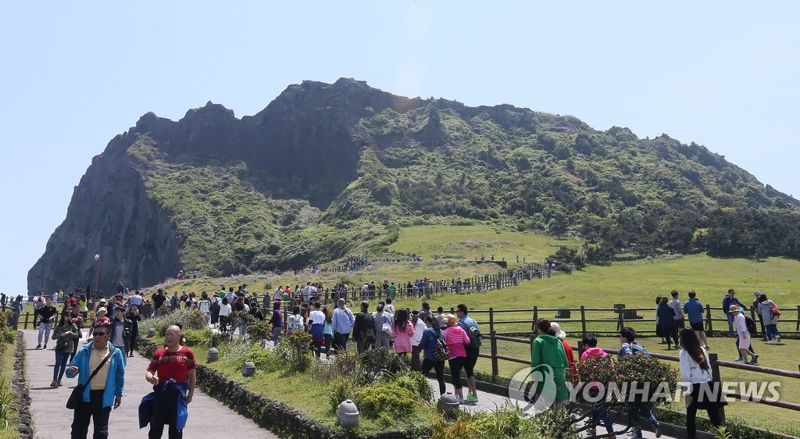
[[317, 317], [419, 328], [691, 372], [225, 310], [205, 305]]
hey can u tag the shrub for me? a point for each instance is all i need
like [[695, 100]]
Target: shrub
[[198, 337], [341, 389], [259, 330], [265, 360], [189, 318], [7, 335], [413, 381], [643, 369], [377, 361], [384, 399], [294, 351]]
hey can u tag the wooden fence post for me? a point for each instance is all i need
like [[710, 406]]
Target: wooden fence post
[[25, 325], [583, 321], [620, 320], [495, 370], [717, 379], [709, 324], [535, 318], [798, 319]]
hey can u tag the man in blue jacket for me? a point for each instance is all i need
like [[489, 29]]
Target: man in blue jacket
[[105, 388], [727, 301]]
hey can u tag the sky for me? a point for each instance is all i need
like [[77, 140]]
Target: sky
[[75, 74]]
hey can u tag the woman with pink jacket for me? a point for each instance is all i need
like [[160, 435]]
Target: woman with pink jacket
[[456, 340], [402, 331]]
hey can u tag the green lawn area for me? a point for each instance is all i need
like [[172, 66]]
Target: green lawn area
[[6, 368], [470, 242]]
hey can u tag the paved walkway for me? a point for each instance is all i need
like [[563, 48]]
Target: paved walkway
[[207, 417]]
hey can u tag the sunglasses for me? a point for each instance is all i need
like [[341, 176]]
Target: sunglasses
[[100, 334]]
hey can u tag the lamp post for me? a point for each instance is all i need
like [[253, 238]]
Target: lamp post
[[96, 277]]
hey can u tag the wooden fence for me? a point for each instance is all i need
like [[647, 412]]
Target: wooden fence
[[717, 365]]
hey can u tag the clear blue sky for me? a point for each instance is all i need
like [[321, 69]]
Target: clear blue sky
[[74, 74]]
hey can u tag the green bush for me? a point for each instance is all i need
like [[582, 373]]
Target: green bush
[[198, 337], [377, 361], [293, 350], [8, 335], [189, 318], [381, 400], [264, 359], [340, 389], [411, 380], [259, 330]]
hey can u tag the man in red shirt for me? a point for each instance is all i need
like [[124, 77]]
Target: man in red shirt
[[172, 372]]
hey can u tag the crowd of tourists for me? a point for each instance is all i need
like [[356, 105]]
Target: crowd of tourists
[[671, 317]]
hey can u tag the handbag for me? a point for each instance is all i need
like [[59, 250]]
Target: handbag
[[76, 396]]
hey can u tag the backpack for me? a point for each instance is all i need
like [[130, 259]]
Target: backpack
[[474, 335], [751, 325], [295, 323], [386, 327], [440, 349], [774, 310], [639, 350]]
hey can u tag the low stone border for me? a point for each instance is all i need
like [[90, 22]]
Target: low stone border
[[19, 383], [274, 416]]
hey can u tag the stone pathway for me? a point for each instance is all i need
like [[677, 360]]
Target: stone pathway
[[207, 417]]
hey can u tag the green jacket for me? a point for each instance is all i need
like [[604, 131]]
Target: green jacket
[[547, 349]]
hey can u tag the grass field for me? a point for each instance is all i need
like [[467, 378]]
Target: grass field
[[474, 241], [6, 368]]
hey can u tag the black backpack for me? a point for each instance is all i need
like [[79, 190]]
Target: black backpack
[[751, 325]]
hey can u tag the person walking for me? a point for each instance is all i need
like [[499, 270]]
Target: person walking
[[666, 321], [134, 317], [64, 334], [172, 373], [640, 411], [434, 351], [599, 414], [770, 314], [699, 386], [47, 316], [402, 331], [121, 331], [744, 339], [471, 327], [16, 310], [572, 369], [316, 322], [364, 329], [548, 356], [343, 322], [456, 340], [100, 368], [416, 340], [694, 311], [276, 322], [225, 310], [727, 301], [675, 304], [756, 295], [383, 327]]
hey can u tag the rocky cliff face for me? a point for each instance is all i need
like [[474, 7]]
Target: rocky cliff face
[[110, 215], [326, 168]]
